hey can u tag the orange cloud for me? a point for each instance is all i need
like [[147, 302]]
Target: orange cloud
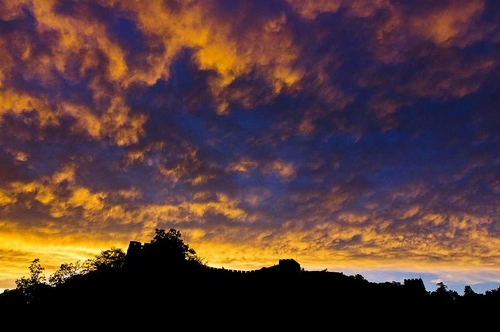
[[311, 9], [267, 45], [77, 35], [244, 165], [223, 205], [6, 198], [446, 24], [366, 8], [450, 77], [285, 170], [449, 24], [71, 40], [19, 103]]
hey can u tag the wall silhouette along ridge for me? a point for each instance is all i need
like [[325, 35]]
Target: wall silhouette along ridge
[[153, 285]]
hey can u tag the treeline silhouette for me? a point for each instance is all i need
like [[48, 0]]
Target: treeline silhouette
[[164, 283]]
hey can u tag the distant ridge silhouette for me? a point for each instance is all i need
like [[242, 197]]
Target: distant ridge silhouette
[[166, 279]]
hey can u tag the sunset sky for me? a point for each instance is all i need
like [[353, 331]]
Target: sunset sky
[[357, 136]]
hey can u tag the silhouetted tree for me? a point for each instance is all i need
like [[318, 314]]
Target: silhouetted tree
[[170, 246], [359, 277], [442, 292], [36, 276], [65, 272], [33, 286], [111, 259], [468, 291]]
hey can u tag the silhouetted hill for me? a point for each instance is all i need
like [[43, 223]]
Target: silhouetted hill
[[163, 284]]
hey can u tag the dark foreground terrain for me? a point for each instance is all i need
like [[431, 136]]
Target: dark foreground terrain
[[162, 285]]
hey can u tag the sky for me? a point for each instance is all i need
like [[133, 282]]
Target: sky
[[358, 136]]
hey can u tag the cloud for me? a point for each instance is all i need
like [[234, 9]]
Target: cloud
[[449, 23], [284, 170], [311, 9]]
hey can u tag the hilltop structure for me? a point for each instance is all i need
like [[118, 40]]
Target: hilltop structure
[[141, 254]]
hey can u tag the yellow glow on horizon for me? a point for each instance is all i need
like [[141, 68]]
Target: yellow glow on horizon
[[218, 253], [53, 249]]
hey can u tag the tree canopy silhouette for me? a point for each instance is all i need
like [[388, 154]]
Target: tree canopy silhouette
[[171, 246]]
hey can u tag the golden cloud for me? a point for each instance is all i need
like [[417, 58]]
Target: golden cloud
[[449, 25], [19, 103], [6, 198], [285, 170], [223, 205], [311, 9], [243, 165], [267, 46]]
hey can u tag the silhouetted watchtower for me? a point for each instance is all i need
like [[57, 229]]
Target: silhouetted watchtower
[[289, 265], [415, 286], [134, 254]]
